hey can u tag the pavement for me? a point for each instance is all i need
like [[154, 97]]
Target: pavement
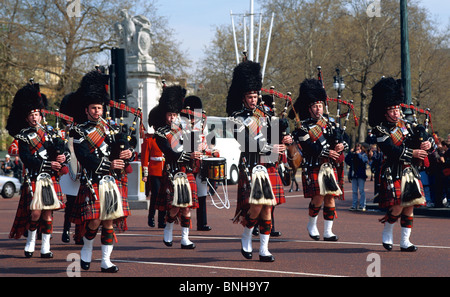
[[140, 251]]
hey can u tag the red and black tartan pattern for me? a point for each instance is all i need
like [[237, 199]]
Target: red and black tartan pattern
[[316, 131], [174, 136], [166, 192], [22, 220], [244, 190], [397, 135], [265, 226], [107, 236], [87, 208], [406, 221], [385, 195], [37, 142], [313, 189], [389, 217], [46, 227], [95, 138]]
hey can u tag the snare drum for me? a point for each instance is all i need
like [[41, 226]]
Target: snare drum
[[215, 168]]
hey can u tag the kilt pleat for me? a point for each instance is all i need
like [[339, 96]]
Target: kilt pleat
[[386, 196], [313, 189], [23, 213], [166, 191], [244, 190], [87, 207]]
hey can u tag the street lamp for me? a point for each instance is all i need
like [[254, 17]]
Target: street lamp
[[339, 86]]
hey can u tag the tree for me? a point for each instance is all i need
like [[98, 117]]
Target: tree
[[38, 36]]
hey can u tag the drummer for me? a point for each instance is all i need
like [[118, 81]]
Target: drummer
[[194, 118]]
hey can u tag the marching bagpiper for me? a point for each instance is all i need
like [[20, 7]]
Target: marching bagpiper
[[400, 189], [195, 123], [43, 155], [178, 192], [260, 187], [101, 199], [317, 137]]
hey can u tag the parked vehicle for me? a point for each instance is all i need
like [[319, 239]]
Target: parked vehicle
[[226, 144], [9, 186]]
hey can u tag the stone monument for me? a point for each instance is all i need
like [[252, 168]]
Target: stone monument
[[143, 78]]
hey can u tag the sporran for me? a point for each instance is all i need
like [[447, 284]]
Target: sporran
[[110, 199]]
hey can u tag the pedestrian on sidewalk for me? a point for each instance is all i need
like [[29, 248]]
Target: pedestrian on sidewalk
[[357, 160]]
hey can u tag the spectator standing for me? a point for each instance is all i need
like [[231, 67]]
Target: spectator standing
[[357, 160]]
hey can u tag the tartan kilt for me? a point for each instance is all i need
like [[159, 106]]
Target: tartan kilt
[[87, 208], [244, 190], [313, 189], [23, 213], [386, 199], [166, 191]]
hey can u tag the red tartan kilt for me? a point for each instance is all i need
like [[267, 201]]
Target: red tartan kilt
[[88, 208], [23, 213], [313, 189], [165, 195], [386, 197], [244, 189]]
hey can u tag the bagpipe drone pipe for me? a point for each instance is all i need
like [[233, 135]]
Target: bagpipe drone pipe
[[418, 133]]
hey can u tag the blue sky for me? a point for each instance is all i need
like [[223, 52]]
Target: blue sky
[[194, 21]]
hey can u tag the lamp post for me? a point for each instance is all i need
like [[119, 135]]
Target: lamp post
[[405, 58], [339, 86]]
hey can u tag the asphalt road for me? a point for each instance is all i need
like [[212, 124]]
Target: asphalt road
[[140, 251]]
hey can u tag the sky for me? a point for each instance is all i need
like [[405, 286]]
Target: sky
[[194, 21]]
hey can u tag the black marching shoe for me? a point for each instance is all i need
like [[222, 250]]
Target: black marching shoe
[[387, 246], [28, 254], [247, 255], [48, 255], [332, 238], [412, 248], [188, 246], [85, 265], [269, 258], [112, 269], [168, 243], [315, 237]]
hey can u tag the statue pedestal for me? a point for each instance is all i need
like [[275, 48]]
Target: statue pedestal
[[143, 79], [136, 188]]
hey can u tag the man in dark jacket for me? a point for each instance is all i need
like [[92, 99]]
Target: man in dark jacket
[[357, 160]]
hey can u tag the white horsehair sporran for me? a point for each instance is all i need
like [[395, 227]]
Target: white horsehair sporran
[[44, 197], [110, 199], [410, 188], [327, 181], [182, 194], [261, 189]]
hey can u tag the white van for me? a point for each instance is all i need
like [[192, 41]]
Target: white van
[[226, 144]]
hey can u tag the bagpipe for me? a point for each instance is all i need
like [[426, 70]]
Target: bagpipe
[[418, 133], [122, 137], [338, 130], [55, 143], [293, 153]]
